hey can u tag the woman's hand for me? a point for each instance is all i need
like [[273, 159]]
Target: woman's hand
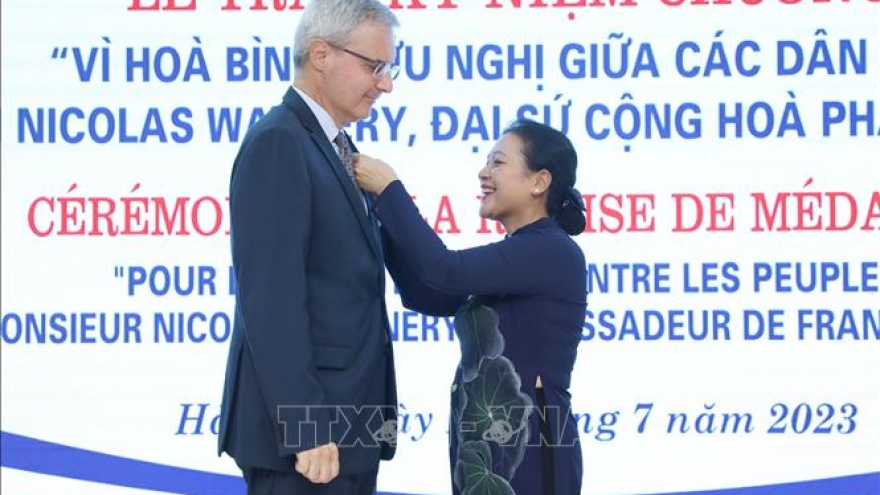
[[373, 175]]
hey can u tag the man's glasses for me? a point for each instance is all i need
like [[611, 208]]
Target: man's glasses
[[380, 67]]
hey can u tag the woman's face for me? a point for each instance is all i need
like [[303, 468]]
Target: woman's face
[[509, 187]]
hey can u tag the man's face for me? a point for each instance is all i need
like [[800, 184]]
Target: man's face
[[350, 88]]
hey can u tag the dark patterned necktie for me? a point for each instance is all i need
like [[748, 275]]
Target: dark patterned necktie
[[345, 156]]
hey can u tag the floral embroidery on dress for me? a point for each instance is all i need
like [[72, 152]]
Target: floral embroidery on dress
[[489, 412]]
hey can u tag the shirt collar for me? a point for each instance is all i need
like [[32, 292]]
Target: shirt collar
[[324, 119]]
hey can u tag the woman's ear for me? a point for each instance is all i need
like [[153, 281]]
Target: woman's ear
[[542, 180]]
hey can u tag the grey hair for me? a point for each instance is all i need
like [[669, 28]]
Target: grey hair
[[334, 20]]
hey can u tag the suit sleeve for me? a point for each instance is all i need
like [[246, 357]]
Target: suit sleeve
[[513, 265], [414, 294], [270, 216]]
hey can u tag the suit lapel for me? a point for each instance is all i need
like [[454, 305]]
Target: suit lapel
[[355, 201], [370, 200]]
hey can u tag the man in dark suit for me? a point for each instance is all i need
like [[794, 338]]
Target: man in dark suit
[[309, 404]]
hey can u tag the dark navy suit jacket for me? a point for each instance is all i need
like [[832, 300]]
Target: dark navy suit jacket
[[310, 359]]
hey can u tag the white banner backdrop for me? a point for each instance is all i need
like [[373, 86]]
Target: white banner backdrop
[[730, 160]]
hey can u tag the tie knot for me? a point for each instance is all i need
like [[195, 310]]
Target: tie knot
[[341, 142], [345, 153]]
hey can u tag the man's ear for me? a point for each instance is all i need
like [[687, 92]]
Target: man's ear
[[319, 53]]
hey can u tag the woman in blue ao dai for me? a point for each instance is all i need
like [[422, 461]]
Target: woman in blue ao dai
[[519, 308]]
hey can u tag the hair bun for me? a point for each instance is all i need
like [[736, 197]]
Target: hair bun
[[574, 199], [571, 216]]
